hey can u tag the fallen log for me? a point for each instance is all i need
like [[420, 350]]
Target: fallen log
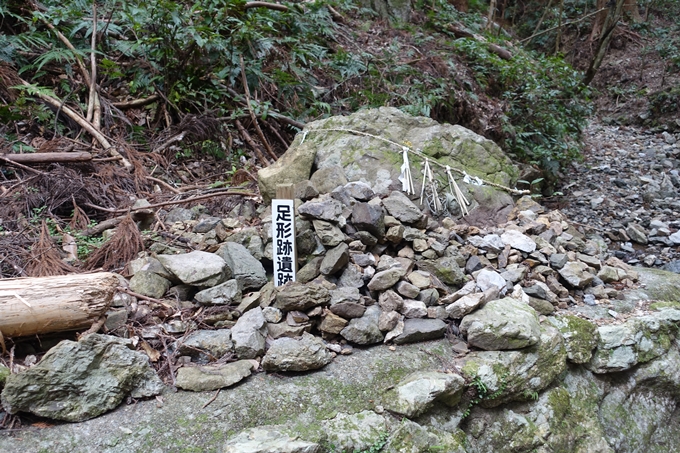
[[30, 306], [48, 158]]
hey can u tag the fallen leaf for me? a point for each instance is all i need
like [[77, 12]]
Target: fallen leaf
[[151, 352]]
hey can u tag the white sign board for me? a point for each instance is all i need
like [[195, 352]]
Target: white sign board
[[283, 237]]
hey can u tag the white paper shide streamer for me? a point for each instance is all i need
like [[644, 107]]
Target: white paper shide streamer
[[428, 179], [456, 192], [405, 177]]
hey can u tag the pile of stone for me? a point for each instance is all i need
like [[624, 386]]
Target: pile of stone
[[372, 270]]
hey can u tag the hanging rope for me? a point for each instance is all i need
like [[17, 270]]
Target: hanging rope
[[467, 178]]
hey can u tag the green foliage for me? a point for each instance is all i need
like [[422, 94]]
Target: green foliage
[[482, 392], [546, 104]]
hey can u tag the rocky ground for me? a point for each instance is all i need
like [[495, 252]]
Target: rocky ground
[[625, 190]]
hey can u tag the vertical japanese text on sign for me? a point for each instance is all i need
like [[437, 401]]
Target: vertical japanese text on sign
[[283, 236]]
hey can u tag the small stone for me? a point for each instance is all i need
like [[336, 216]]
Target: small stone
[[518, 241], [227, 293], [296, 354], [390, 301], [385, 279], [637, 233], [388, 320], [421, 329], [486, 278], [332, 323], [407, 290], [414, 309], [420, 279]]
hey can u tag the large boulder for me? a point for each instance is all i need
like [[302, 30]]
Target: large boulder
[[367, 158], [638, 340], [517, 375], [502, 324], [76, 381]]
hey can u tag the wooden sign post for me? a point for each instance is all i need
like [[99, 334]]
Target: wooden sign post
[[283, 235]]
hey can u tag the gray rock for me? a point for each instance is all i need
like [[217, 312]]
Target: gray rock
[[345, 294], [369, 217], [249, 238], [208, 344], [268, 440], [298, 296], [420, 329], [407, 290], [355, 432], [352, 277], [335, 259], [465, 305], [149, 283], [576, 274], [197, 268], [637, 233], [328, 209], [76, 381], [502, 324], [402, 208], [359, 190], [309, 271], [385, 279], [328, 178], [488, 278], [305, 190], [558, 260], [413, 309], [429, 296], [248, 271], [248, 334], [364, 330], [445, 269], [637, 340], [473, 264], [149, 263], [416, 393], [180, 215], [515, 375], [205, 225], [213, 377], [348, 310], [329, 234], [388, 320], [390, 301], [675, 238], [272, 315], [227, 293], [297, 354], [518, 241]]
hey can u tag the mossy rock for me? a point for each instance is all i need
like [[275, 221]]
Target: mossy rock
[[517, 375], [580, 336]]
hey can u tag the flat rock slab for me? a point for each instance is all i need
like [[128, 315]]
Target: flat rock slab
[[268, 440], [419, 329], [76, 381], [297, 354], [213, 377]]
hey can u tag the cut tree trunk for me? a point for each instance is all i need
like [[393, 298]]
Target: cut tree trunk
[[48, 158], [30, 306]]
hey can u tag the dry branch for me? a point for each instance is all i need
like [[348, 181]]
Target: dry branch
[[48, 158], [82, 122], [246, 136], [136, 102], [252, 113], [30, 306], [274, 6]]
